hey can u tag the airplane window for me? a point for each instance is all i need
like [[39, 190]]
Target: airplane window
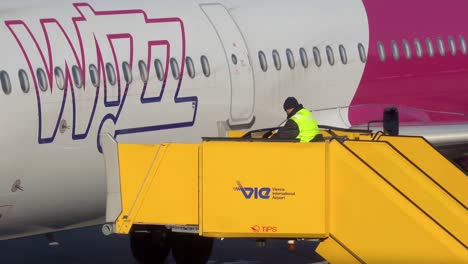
[[110, 71], [24, 81], [159, 69], [143, 71], [5, 80], [77, 77], [418, 46], [263, 61], [304, 59], [440, 42], [175, 69], [317, 57], [59, 78], [453, 47], [127, 72], [205, 66], [234, 59], [395, 50], [93, 72], [430, 47], [190, 67], [330, 55], [407, 49], [362, 52], [381, 49], [276, 59], [290, 57], [41, 77], [343, 56], [463, 45]]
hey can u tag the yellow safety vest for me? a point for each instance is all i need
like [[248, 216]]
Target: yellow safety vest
[[307, 124]]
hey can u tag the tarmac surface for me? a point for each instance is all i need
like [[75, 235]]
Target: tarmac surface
[[89, 245]]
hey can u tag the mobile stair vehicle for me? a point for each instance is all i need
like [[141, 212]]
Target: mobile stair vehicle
[[368, 197]]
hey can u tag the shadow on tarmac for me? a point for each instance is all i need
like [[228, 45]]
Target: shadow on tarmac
[[89, 245]]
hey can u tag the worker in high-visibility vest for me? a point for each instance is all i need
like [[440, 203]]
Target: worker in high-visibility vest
[[301, 123]]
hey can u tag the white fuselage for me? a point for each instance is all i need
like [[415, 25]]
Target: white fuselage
[[49, 139]]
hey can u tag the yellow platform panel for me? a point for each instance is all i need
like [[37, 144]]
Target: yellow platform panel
[[377, 223], [159, 185], [172, 194], [135, 161], [416, 186], [441, 170], [334, 252], [263, 189], [372, 201]]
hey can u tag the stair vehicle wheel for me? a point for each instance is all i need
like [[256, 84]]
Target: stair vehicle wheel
[[149, 245], [191, 248]]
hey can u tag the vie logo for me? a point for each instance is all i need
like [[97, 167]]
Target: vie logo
[[253, 192]]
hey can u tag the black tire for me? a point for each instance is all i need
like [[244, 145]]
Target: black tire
[[150, 247], [190, 248]]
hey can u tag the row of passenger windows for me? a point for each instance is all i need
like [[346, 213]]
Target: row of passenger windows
[[330, 54], [431, 46], [174, 65], [110, 73], [205, 66]]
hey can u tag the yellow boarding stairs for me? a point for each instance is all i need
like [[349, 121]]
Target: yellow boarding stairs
[[370, 198]]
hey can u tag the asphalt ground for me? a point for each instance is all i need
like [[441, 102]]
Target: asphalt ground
[[89, 245]]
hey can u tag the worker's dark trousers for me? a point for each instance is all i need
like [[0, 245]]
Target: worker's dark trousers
[[318, 138]]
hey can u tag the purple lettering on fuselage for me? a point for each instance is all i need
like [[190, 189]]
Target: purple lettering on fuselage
[[97, 38]]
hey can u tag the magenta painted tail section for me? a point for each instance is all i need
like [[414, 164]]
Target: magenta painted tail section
[[425, 70]]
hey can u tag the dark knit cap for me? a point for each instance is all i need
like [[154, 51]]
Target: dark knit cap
[[290, 102]]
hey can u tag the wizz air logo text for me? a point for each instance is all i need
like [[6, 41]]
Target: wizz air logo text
[[80, 69]]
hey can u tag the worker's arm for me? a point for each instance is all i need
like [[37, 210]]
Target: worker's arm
[[289, 131]]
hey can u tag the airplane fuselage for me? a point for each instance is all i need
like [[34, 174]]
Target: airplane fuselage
[[149, 72]]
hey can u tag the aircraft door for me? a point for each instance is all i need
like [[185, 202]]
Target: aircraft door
[[238, 61]]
